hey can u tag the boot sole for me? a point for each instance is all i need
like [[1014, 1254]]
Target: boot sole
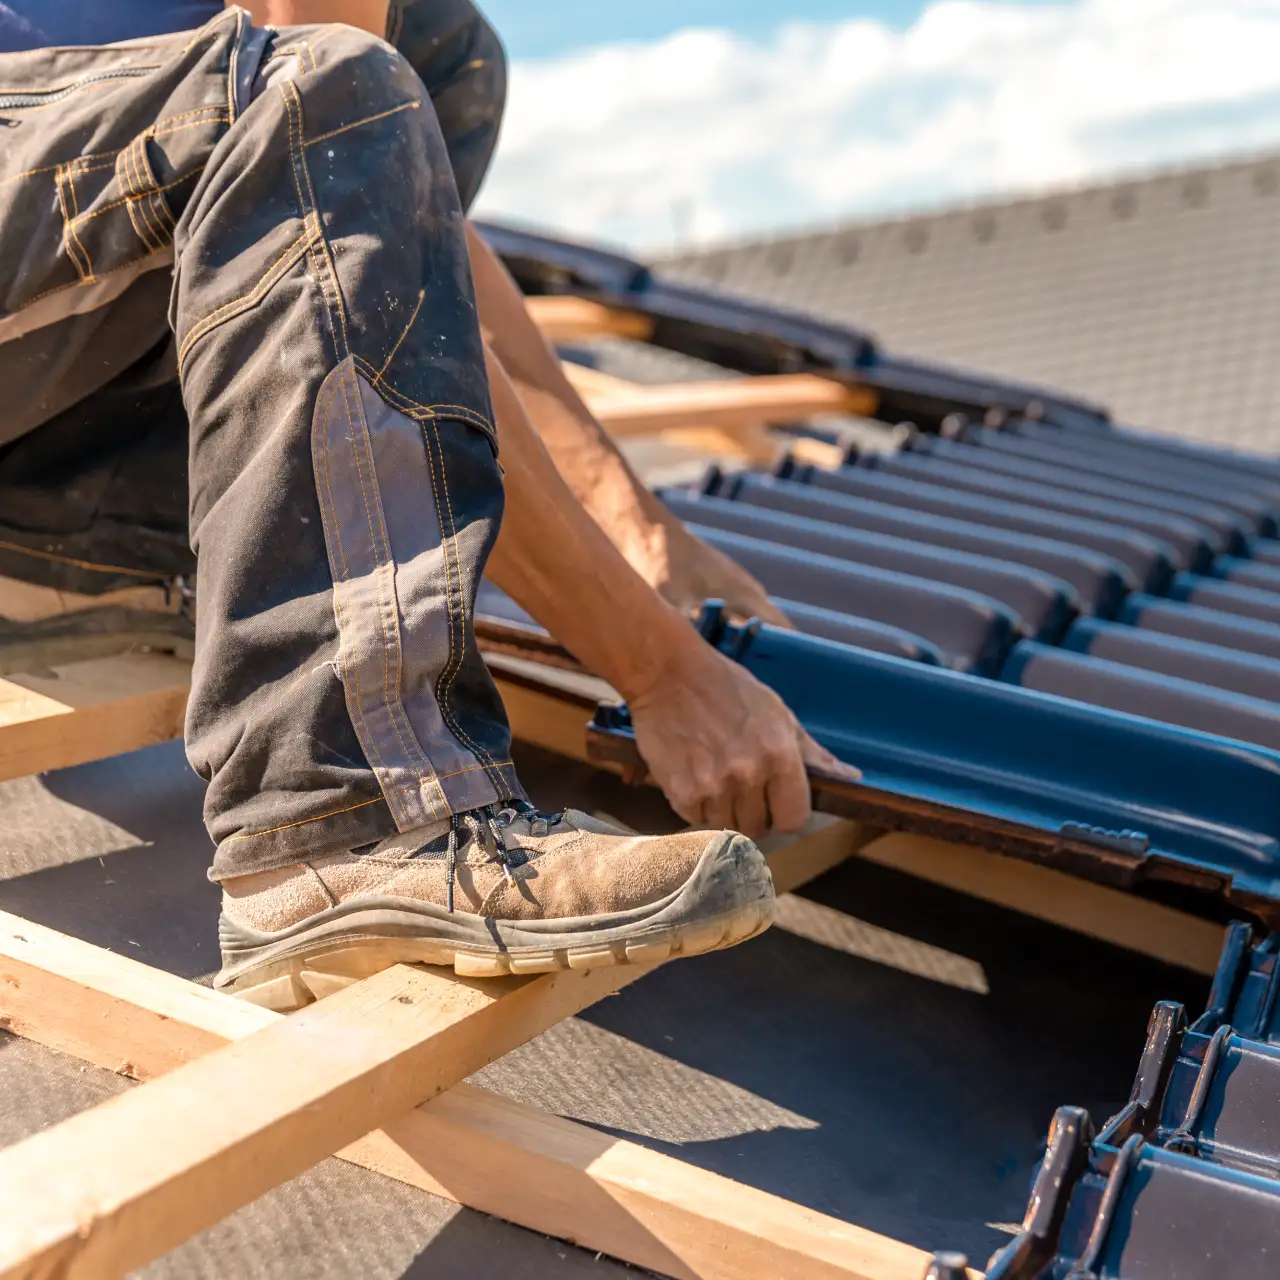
[[726, 900]]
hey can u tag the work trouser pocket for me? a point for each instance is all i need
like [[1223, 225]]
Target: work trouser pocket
[[116, 208], [101, 150]]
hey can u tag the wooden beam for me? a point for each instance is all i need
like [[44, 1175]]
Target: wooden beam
[[818, 453], [544, 720], [126, 1016], [730, 404], [89, 710], [825, 843], [562, 318], [587, 381], [469, 1145], [1096, 910], [114, 1187], [746, 442], [652, 1210]]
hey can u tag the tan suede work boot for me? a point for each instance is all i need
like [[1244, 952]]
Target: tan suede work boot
[[491, 893]]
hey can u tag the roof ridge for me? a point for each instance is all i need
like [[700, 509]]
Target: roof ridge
[[1030, 198]]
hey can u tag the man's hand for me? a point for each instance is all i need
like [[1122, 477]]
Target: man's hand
[[726, 750]]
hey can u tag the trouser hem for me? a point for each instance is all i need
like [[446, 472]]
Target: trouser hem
[[337, 830]]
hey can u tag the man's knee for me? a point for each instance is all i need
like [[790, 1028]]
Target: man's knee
[[460, 60], [368, 68]]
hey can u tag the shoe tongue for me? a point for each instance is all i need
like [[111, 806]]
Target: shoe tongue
[[404, 843]]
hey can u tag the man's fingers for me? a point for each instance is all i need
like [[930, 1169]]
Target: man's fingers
[[759, 606], [749, 601], [820, 758], [751, 811], [717, 810], [788, 794]]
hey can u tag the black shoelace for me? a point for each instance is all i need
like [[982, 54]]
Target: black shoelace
[[487, 825]]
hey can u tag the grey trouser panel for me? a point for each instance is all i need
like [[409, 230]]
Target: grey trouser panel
[[282, 204]]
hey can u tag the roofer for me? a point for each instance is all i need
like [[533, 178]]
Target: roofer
[[236, 320]]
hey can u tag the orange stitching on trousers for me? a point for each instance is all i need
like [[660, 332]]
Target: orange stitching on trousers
[[205, 30], [233, 64], [429, 410], [426, 410], [164, 215], [137, 214], [161, 216], [351, 673], [422, 293], [274, 273], [139, 225], [297, 185], [356, 124], [333, 813], [115, 204], [412, 750], [70, 243], [75, 213], [133, 171], [108, 158], [351, 668], [446, 543], [457, 728], [376, 546], [448, 574], [151, 193], [322, 255]]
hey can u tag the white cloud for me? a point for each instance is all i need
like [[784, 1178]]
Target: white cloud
[[708, 135]]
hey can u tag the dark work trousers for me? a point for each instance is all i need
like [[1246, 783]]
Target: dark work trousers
[[266, 224]]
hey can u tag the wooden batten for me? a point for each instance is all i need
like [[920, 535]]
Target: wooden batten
[[1111, 915], [114, 1187], [88, 710], [587, 381], [564, 318], [732, 404]]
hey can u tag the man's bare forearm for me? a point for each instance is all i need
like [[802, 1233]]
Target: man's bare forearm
[[370, 15], [665, 554], [557, 563], [587, 458]]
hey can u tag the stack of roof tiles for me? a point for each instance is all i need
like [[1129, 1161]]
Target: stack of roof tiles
[[1184, 1181]]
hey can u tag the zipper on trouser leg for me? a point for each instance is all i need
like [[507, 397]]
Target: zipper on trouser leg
[[16, 101]]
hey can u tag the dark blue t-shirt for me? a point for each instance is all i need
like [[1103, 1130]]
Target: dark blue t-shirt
[[36, 24]]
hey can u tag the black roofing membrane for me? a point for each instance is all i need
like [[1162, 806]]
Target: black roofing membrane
[[905, 1105]]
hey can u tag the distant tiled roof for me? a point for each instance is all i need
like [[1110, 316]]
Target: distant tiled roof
[[1158, 297]]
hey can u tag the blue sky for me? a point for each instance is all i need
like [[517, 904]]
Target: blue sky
[[656, 123], [547, 28]]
